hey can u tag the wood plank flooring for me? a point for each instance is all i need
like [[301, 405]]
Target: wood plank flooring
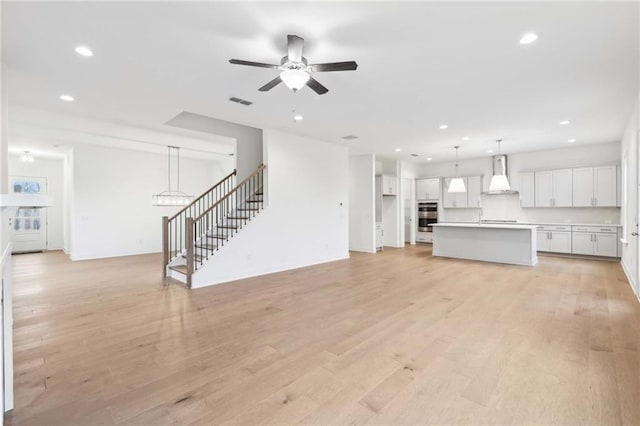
[[398, 337]]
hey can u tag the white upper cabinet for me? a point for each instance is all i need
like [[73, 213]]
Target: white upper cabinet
[[553, 188], [583, 187], [428, 189], [604, 187], [389, 185], [544, 189], [525, 187], [474, 191], [470, 199], [562, 188], [595, 186]]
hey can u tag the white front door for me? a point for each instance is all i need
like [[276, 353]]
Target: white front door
[[28, 225]]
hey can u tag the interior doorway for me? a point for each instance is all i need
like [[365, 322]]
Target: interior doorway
[[28, 226], [408, 210]]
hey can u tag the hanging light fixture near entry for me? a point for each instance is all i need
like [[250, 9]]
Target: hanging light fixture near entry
[[27, 157], [171, 197], [457, 183], [499, 181]]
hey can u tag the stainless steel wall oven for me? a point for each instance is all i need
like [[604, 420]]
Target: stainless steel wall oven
[[427, 216]]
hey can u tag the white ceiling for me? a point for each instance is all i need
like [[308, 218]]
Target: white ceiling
[[420, 65]]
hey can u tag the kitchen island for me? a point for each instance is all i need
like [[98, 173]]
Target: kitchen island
[[513, 244]]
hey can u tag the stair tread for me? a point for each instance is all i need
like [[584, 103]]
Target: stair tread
[[239, 217], [209, 247], [245, 209], [228, 226], [218, 237], [255, 201], [196, 256], [179, 268]]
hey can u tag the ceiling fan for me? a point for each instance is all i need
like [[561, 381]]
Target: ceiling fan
[[295, 70]]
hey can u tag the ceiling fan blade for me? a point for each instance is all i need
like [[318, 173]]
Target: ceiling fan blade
[[335, 66], [270, 85], [316, 86], [252, 64], [294, 48]]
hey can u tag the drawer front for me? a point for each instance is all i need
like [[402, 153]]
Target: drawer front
[[554, 228], [596, 229]]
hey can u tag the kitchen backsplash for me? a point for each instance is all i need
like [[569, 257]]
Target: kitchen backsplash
[[507, 207]]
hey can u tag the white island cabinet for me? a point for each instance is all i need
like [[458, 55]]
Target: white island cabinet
[[513, 244]]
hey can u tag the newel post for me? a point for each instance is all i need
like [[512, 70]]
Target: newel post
[[165, 244], [188, 235]]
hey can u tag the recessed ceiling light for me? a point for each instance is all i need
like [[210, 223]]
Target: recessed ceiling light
[[429, 158], [571, 140], [443, 126], [297, 117], [564, 122], [398, 150], [466, 138], [67, 98], [489, 151], [528, 38], [84, 51]]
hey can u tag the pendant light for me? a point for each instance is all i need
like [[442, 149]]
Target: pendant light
[[27, 157], [499, 181], [457, 183], [170, 197]]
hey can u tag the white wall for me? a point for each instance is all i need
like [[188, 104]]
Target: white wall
[[508, 206], [362, 203], [111, 194], [53, 171], [305, 220], [630, 151]]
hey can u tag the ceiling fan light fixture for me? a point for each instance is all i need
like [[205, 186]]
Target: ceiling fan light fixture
[[294, 79]]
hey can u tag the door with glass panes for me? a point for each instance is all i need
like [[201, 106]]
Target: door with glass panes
[[28, 225]]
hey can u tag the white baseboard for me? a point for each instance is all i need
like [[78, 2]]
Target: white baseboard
[[632, 282], [107, 256]]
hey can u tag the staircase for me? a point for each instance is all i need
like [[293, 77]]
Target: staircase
[[194, 234]]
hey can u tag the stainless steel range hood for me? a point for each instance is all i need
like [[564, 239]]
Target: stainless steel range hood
[[500, 167]]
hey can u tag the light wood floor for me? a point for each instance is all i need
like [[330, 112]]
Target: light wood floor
[[392, 338]]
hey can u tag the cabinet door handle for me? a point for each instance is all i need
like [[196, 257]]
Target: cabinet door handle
[[551, 235], [595, 238], [595, 201]]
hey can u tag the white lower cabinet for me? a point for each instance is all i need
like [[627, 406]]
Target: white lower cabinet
[[606, 244], [543, 240], [595, 241], [560, 242], [589, 240], [554, 239], [583, 243]]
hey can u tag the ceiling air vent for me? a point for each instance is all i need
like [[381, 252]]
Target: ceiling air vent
[[240, 101], [350, 137], [415, 155]]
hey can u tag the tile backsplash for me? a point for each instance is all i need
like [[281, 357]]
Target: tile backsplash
[[507, 207]]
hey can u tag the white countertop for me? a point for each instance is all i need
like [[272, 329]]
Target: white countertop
[[548, 223], [484, 225]]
